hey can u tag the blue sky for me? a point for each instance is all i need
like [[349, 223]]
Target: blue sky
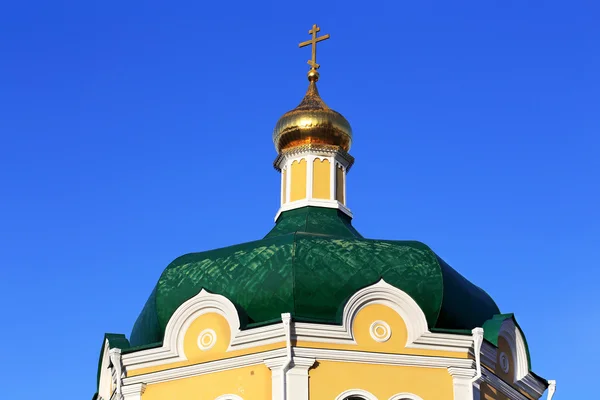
[[134, 132]]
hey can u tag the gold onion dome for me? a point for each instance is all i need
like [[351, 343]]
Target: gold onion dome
[[312, 123]]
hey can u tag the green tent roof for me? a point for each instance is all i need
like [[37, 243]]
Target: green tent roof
[[310, 263]]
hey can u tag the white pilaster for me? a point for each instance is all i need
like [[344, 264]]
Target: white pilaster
[[310, 165], [462, 379], [133, 392], [297, 378], [276, 365], [335, 159], [296, 381]]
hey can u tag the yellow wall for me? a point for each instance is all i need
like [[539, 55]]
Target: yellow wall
[[361, 333], [328, 379], [487, 392], [339, 185], [321, 179], [250, 383], [284, 185], [196, 355], [298, 187], [364, 342]]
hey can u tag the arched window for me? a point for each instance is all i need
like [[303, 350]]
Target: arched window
[[405, 396], [229, 397], [355, 394]]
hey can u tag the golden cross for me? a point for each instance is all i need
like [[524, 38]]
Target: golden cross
[[313, 42]]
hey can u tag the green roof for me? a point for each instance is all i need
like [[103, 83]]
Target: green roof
[[310, 263]]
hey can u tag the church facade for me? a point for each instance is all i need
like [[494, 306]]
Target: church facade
[[314, 310]]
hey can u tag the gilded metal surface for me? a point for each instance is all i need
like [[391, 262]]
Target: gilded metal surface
[[313, 61], [312, 122]]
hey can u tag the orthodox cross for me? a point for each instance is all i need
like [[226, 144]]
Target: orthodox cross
[[313, 62]]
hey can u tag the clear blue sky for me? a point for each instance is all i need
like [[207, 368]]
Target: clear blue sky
[[476, 131]]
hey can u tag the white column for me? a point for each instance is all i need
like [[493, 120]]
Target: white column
[[310, 163], [463, 382], [297, 378], [288, 185], [276, 366], [133, 392]]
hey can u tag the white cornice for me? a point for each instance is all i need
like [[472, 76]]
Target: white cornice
[[204, 368], [505, 388], [407, 360], [172, 348], [532, 385], [304, 357]]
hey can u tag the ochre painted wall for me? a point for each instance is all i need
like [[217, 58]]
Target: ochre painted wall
[[321, 179], [250, 383], [328, 379], [361, 332], [364, 342], [298, 187], [339, 185], [487, 392], [195, 355]]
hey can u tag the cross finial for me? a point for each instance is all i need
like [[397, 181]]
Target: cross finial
[[313, 61]]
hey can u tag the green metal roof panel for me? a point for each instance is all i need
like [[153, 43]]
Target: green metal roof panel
[[327, 221], [309, 265]]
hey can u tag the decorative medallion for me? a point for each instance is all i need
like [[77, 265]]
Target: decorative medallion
[[207, 339], [504, 364], [380, 331]]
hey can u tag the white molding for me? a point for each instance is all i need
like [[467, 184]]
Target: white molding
[[392, 297], [274, 359], [229, 397], [310, 166], [503, 387], [172, 348], [356, 392], [513, 335], [378, 293], [405, 396], [488, 355], [405, 360], [116, 369], [105, 382], [380, 337], [211, 334], [134, 391], [288, 184], [209, 367], [551, 389], [531, 385], [477, 342]]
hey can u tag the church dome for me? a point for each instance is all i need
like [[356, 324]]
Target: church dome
[[310, 264], [312, 122]]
